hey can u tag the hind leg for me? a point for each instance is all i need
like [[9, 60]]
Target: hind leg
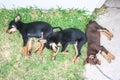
[[41, 44], [29, 46], [106, 33], [25, 46], [40, 48], [105, 52], [55, 50], [111, 56], [75, 58], [78, 45], [64, 45]]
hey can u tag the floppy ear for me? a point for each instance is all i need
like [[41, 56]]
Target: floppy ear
[[17, 18]]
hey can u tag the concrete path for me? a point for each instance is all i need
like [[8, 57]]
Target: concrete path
[[110, 20]]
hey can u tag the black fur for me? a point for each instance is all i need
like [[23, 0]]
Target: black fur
[[68, 36], [30, 30]]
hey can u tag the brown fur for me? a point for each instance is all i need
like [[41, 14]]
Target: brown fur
[[93, 38]]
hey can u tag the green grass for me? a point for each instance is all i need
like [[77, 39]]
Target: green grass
[[13, 66]]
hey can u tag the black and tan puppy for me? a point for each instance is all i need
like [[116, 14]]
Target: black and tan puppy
[[65, 37], [93, 31], [37, 29]]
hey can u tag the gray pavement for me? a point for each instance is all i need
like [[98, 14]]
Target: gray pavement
[[110, 20]]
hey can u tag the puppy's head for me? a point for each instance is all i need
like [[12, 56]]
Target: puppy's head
[[92, 59], [13, 25]]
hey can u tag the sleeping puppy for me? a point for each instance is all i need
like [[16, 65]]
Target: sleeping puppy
[[29, 31], [93, 31], [65, 37]]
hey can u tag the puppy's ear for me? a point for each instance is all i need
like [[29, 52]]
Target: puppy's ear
[[17, 18]]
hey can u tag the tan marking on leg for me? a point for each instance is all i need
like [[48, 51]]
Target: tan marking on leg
[[99, 51], [40, 48], [40, 45], [55, 50], [55, 54], [53, 46], [75, 58], [65, 52], [106, 56], [108, 34], [99, 62], [111, 56], [25, 49], [29, 44]]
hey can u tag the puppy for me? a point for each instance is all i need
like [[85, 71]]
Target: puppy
[[30, 30], [93, 31], [65, 37]]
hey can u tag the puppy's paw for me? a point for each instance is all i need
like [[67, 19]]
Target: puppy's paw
[[106, 57], [53, 58], [75, 60], [66, 52], [111, 56]]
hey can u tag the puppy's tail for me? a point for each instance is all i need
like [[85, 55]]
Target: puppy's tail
[[57, 28]]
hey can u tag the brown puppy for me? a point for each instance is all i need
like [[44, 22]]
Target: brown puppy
[[93, 38]]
